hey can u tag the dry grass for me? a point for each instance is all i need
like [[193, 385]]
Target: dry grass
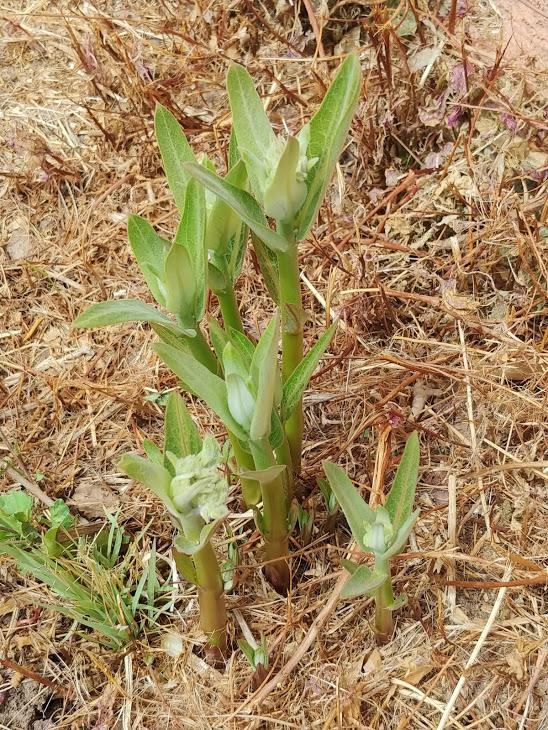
[[432, 246]]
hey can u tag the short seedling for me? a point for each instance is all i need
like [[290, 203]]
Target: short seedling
[[186, 477], [257, 656], [382, 531]]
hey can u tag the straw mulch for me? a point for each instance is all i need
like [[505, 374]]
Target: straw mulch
[[431, 247]]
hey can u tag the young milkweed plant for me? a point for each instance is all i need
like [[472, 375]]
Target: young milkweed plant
[[268, 179], [382, 531], [185, 476]]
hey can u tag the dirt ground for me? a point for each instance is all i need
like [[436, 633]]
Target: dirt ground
[[431, 246]]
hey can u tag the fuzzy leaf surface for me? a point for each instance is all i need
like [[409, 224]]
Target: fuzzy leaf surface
[[328, 130], [295, 385]]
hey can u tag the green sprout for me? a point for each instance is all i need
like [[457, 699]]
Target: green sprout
[[257, 657], [382, 531], [186, 477]]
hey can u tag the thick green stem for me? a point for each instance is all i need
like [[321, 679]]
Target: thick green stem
[[283, 456], [211, 596], [229, 309], [202, 351], [251, 489], [292, 334], [275, 512], [384, 622]]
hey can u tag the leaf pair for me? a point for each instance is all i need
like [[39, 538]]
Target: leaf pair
[[383, 531], [288, 182]]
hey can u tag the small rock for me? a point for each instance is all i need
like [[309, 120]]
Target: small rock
[[19, 245]]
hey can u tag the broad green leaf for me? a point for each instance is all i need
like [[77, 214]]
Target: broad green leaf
[[253, 130], [402, 535], [189, 547], [295, 385], [173, 336], [59, 515], [175, 151], [124, 310], [191, 235], [181, 286], [217, 273], [235, 253], [242, 203], [357, 512], [150, 250], [223, 223], [265, 476], [233, 152], [185, 566], [277, 432], [49, 539], [181, 437], [285, 194], [399, 502], [18, 504], [202, 382], [154, 452], [241, 400], [328, 130], [243, 344], [153, 476], [361, 582], [263, 371]]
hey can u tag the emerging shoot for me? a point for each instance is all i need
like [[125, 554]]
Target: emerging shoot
[[383, 532]]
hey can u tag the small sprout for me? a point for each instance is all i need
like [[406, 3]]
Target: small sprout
[[383, 531], [257, 656]]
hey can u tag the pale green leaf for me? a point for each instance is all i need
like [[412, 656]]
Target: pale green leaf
[[263, 372], [285, 194], [17, 503], [357, 512], [118, 311], [399, 502], [181, 286], [219, 338], [328, 130], [295, 385], [223, 223], [362, 581], [191, 235], [181, 436], [185, 566], [175, 151], [202, 382], [59, 515], [152, 475], [253, 130], [154, 452], [150, 250], [242, 203]]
